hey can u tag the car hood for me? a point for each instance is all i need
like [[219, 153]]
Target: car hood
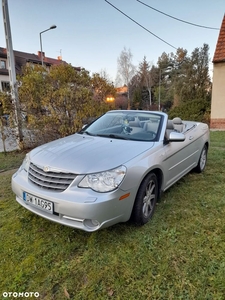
[[82, 154]]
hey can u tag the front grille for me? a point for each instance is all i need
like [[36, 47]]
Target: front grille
[[50, 180]]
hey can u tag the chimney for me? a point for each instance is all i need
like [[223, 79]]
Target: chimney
[[59, 57], [39, 54]]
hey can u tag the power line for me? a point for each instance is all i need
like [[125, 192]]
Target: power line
[[140, 25], [193, 24]]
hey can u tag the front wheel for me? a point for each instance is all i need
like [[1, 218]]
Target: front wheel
[[202, 160], [146, 199]]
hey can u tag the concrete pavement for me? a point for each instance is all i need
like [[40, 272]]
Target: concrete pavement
[[10, 141]]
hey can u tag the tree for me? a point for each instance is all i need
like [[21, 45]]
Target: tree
[[187, 77], [102, 87], [125, 70], [192, 80], [200, 72], [57, 103], [146, 82], [163, 89], [6, 107], [135, 91], [142, 85]]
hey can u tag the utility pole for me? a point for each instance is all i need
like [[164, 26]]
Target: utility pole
[[12, 70], [148, 80]]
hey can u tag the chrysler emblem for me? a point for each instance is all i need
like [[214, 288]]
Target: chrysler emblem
[[46, 169]]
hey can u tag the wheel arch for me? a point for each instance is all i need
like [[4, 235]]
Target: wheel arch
[[207, 146], [199, 167], [159, 174]]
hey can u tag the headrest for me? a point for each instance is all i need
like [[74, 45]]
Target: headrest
[[177, 120], [169, 124]]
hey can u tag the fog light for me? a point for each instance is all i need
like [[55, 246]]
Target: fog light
[[93, 224]]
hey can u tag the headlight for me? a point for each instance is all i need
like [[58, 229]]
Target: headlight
[[26, 163], [104, 181]]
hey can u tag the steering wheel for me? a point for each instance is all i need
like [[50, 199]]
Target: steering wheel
[[126, 129]]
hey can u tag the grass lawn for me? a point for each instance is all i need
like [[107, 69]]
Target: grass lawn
[[180, 254], [11, 160]]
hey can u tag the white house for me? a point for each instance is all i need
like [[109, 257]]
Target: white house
[[218, 89]]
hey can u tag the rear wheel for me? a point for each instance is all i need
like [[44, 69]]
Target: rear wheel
[[146, 199], [202, 160]]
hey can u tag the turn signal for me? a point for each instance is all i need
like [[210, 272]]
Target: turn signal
[[124, 196]]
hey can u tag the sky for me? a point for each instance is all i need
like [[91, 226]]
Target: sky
[[91, 33]]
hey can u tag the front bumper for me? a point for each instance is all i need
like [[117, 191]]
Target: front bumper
[[77, 207]]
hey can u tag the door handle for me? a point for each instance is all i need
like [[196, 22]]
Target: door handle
[[191, 137]]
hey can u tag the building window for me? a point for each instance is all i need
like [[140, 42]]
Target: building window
[[5, 86], [2, 64]]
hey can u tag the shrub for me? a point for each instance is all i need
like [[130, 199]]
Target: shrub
[[195, 110]]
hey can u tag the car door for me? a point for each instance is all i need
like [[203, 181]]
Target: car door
[[179, 158]]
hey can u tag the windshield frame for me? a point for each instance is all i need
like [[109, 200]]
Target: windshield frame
[[132, 125]]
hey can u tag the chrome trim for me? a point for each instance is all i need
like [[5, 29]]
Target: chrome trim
[[50, 180]]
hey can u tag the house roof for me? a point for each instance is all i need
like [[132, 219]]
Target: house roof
[[219, 55], [121, 90], [22, 57], [31, 56]]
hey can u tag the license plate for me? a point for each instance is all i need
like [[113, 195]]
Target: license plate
[[38, 202]]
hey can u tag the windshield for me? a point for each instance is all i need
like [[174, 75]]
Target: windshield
[[129, 125]]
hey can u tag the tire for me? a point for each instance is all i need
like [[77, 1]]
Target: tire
[[146, 199], [202, 160]]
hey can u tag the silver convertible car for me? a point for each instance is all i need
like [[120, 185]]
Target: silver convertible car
[[113, 170]]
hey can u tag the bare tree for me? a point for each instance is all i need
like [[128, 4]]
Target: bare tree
[[125, 69]]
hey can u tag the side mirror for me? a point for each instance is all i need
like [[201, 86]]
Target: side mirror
[[176, 137]]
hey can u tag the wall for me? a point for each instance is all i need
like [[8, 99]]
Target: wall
[[218, 97]]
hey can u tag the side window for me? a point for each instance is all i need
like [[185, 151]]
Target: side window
[[5, 86], [2, 64]]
